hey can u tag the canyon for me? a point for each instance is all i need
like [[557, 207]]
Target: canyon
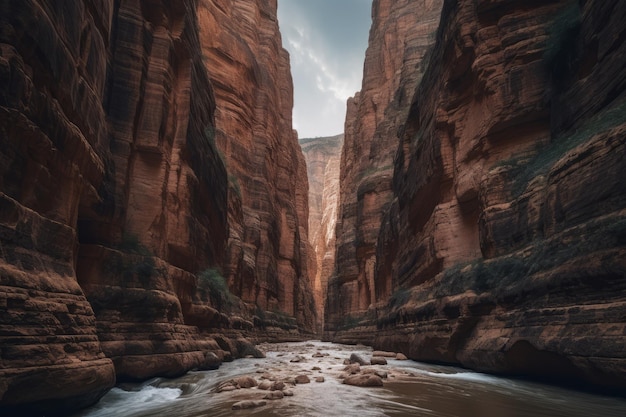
[[158, 213]]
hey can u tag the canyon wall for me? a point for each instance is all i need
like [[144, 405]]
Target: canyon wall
[[268, 255], [322, 160], [115, 200], [401, 33], [503, 249]]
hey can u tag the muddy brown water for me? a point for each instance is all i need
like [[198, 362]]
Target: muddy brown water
[[411, 389]]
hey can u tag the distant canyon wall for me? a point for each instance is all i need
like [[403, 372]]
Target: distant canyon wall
[[119, 203], [323, 159], [503, 246], [400, 36], [268, 254]]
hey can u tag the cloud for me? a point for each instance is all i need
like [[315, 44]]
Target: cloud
[[326, 40]]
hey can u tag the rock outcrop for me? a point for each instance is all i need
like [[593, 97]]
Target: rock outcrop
[[401, 33], [115, 201], [268, 256], [322, 159], [503, 249]]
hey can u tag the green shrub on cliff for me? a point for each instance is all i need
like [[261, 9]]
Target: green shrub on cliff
[[213, 283]]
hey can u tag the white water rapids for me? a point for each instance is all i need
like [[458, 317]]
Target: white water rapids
[[412, 389]]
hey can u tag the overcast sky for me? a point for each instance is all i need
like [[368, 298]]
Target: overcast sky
[[326, 40]]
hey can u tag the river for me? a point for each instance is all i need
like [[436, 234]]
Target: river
[[411, 389]]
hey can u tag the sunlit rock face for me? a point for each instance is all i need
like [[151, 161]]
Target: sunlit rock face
[[503, 249], [322, 158], [268, 252], [111, 193], [401, 33]]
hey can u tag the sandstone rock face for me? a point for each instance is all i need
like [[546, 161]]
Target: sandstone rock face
[[503, 249], [112, 197], [268, 256], [401, 34], [322, 159]]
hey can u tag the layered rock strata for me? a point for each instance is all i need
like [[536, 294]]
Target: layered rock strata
[[268, 255], [113, 198], [323, 159], [504, 247], [401, 33]]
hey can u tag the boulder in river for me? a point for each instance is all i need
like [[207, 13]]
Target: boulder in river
[[401, 357], [355, 368], [302, 379], [245, 382], [372, 371], [278, 386], [274, 395], [265, 385], [354, 358], [364, 380], [378, 360], [383, 354]]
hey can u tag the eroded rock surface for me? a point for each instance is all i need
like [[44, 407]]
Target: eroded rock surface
[[268, 255], [115, 201], [503, 247], [401, 33], [322, 158]]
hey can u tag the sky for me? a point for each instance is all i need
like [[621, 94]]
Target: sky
[[326, 40]]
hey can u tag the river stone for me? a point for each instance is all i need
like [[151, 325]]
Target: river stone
[[244, 405], [319, 379], [354, 358], [302, 379], [383, 354], [318, 355], [372, 371], [265, 385], [355, 368], [288, 393], [274, 395], [364, 380], [245, 382], [377, 360], [401, 357], [278, 386], [297, 359]]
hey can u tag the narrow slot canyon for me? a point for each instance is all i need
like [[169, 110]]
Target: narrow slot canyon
[[172, 243]]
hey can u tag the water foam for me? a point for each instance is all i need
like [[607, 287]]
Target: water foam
[[118, 402]]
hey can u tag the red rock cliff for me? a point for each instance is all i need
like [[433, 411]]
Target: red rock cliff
[[268, 252], [503, 249], [322, 160], [401, 34], [112, 197]]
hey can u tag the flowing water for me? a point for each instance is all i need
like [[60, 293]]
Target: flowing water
[[411, 389]]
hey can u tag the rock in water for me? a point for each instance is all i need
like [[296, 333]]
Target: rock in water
[[377, 360], [274, 395], [364, 380], [302, 379]]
